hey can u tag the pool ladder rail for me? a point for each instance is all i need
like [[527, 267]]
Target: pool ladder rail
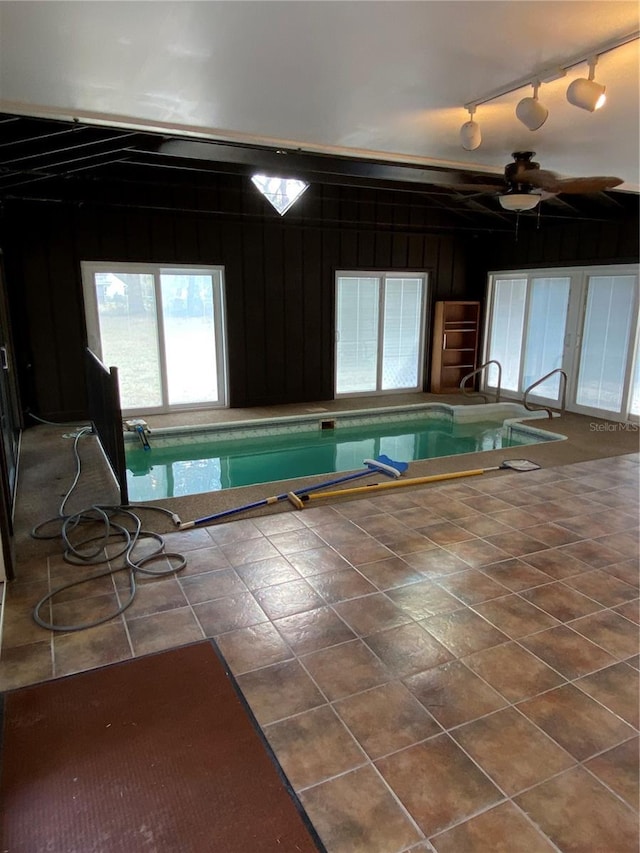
[[547, 409], [525, 402], [465, 379]]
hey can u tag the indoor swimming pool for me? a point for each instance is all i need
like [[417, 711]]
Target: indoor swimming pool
[[186, 461]]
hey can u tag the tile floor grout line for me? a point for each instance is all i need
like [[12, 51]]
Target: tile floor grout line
[[419, 846], [515, 705], [441, 578], [404, 808], [395, 797], [604, 609], [598, 701], [472, 815], [367, 760], [566, 679], [616, 794], [341, 775], [50, 618], [599, 604], [610, 609], [489, 808], [442, 729], [122, 616]]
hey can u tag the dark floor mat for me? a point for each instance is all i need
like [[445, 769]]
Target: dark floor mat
[[157, 754]]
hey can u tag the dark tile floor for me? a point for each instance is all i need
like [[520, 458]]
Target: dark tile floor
[[452, 668]]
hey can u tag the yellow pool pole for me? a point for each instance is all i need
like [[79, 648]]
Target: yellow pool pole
[[376, 487]]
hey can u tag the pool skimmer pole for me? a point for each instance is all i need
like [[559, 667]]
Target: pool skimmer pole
[[379, 465], [299, 499]]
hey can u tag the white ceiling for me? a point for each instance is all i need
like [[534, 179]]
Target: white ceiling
[[384, 79]]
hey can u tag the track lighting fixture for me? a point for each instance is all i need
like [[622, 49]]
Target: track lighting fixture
[[530, 111], [470, 135], [585, 92]]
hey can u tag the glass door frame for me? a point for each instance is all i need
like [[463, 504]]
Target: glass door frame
[[623, 414], [574, 329], [88, 270]]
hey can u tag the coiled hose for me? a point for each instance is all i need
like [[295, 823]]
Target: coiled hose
[[121, 528]]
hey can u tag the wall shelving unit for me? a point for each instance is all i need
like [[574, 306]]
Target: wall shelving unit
[[456, 334]]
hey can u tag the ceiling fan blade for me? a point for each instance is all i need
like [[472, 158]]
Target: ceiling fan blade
[[551, 183], [468, 196], [539, 178], [481, 188], [587, 185]]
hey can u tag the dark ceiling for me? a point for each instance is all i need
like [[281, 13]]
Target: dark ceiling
[[54, 160]]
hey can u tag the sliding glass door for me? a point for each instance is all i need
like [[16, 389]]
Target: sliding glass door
[[528, 317], [379, 332], [634, 395], [582, 321], [604, 366], [163, 328], [546, 328]]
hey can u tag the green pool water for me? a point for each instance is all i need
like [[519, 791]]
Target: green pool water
[[209, 465]]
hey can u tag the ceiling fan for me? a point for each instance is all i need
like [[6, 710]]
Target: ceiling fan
[[525, 184]]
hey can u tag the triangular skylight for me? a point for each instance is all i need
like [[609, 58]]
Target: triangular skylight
[[281, 192]]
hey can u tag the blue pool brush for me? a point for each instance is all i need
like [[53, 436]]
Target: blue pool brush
[[379, 465], [142, 435]]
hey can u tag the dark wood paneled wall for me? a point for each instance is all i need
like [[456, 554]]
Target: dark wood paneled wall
[[279, 272], [279, 278], [571, 244]]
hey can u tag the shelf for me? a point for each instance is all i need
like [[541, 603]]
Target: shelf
[[468, 315], [455, 344]]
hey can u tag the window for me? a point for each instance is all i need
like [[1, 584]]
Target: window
[[583, 321], [163, 328], [281, 193], [379, 332]]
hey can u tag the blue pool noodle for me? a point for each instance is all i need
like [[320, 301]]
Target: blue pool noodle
[[379, 465]]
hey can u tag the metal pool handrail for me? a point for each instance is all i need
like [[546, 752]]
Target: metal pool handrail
[[546, 409], [464, 379]]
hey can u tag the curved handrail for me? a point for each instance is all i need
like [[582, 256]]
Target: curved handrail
[[464, 379], [546, 409]]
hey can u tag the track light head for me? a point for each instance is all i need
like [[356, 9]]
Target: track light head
[[585, 92], [531, 112], [470, 136]]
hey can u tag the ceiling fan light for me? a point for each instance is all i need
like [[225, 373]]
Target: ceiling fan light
[[470, 136], [531, 113], [586, 94], [519, 201]]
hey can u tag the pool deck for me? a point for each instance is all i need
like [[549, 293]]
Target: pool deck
[[47, 465], [587, 438]]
